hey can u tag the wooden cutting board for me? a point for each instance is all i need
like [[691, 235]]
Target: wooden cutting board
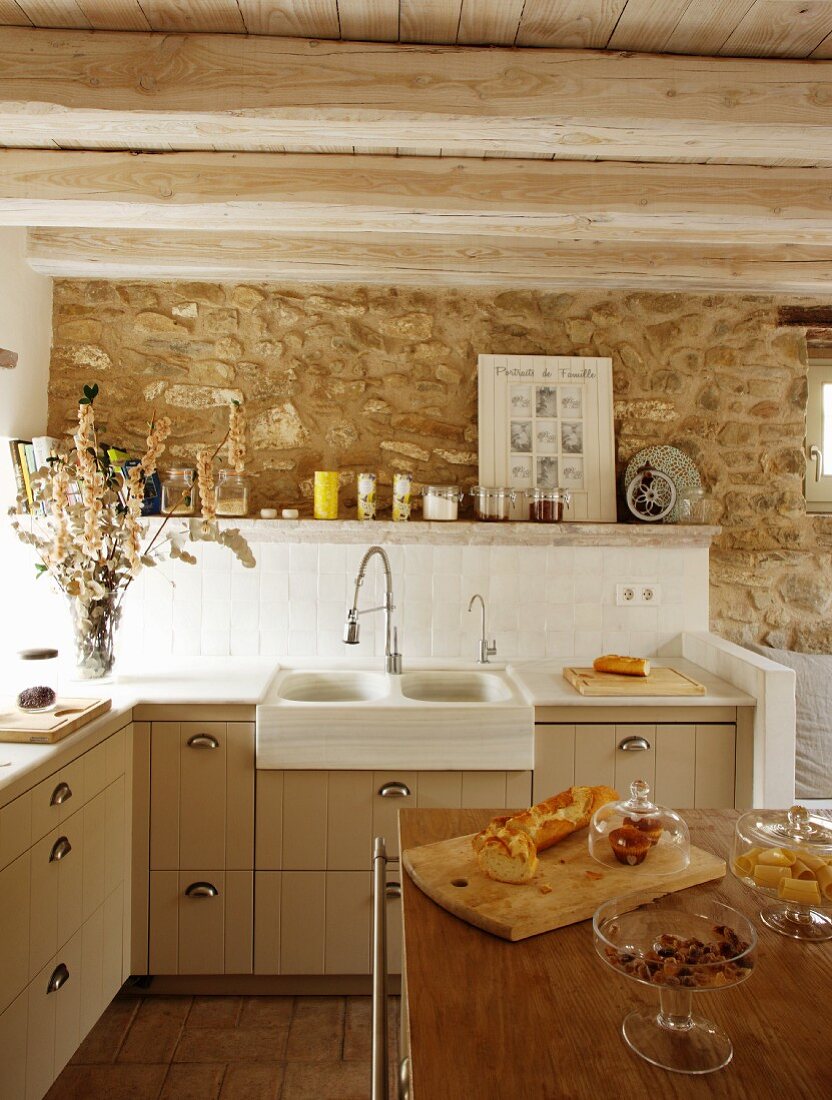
[[46, 729], [447, 871], [661, 681]]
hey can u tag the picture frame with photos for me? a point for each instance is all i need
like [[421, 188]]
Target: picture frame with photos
[[547, 421]]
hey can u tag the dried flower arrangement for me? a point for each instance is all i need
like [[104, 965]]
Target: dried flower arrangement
[[89, 535]]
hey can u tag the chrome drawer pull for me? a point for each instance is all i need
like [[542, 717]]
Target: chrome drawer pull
[[60, 795], [203, 741], [60, 849], [394, 790], [60, 976], [394, 890], [634, 744], [201, 890]]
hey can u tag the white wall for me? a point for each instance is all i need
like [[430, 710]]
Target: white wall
[[25, 327]]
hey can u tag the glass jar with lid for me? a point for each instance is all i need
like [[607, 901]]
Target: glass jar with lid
[[692, 505], [547, 505], [493, 502], [441, 502], [232, 493], [637, 834], [786, 857], [178, 492], [36, 680]]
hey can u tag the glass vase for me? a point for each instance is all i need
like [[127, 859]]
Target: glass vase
[[94, 624]]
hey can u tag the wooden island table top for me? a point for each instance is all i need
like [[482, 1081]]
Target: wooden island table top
[[540, 1019]]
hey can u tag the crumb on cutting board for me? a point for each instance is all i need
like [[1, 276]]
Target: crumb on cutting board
[[593, 874], [545, 888]]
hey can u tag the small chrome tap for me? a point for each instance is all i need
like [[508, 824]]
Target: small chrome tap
[[485, 649], [392, 658]]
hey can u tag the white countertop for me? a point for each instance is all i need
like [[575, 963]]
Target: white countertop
[[245, 681], [543, 685]]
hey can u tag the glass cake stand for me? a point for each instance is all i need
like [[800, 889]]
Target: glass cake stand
[[680, 947]]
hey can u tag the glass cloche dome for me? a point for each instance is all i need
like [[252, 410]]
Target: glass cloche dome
[[637, 834]]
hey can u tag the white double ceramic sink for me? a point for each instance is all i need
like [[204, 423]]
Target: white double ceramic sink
[[425, 718]]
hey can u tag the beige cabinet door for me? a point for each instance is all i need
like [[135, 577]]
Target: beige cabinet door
[[349, 821], [554, 760], [14, 926], [15, 828], [202, 795], [595, 755], [302, 922], [68, 1003], [676, 765], [715, 765], [349, 908], [305, 795], [13, 1028], [56, 891], [635, 756], [201, 922]]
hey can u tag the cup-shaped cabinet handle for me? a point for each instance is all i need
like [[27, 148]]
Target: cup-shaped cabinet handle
[[634, 744], [60, 850], [60, 976], [394, 790], [203, 741], [201, 890], [393, 890], [60, 795]]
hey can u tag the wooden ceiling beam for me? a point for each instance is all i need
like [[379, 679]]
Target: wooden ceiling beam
[[133, 90], [426, 260], [279, 192]]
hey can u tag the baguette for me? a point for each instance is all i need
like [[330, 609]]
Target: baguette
[[624, 666], [505, 857]]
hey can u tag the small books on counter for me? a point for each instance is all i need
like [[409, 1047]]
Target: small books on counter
[[28, 456]]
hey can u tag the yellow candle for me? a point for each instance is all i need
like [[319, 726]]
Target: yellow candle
[[326, 494]]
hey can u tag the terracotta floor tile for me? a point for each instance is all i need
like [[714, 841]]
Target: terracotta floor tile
[[358, 1029], [266, 1011], [151, 1041], [257, 1082], [108, 1083], [225, 1044], [214, 1012], [165, 1008], [194, 1082], [103, 1042], [317, 1030], [326, 1081]]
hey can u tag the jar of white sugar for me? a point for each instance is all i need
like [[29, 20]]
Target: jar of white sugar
[[440, 502]]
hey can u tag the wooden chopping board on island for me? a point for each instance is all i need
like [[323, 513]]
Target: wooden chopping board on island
[[659, 682], [568, 887]]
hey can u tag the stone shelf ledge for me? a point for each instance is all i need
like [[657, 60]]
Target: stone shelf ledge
[[470, 533]]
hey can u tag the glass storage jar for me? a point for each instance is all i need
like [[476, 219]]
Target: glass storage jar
[[547, 505], [36, 680], [441, 502], [637, 834], [232, 493], [178, 492], [493, 502], [692, 504], [786, 857]]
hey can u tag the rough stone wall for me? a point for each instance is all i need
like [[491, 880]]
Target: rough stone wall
[[381, 379]]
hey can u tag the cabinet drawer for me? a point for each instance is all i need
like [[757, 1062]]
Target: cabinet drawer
[[201, 922], [56, 890], [57, 798], [317, 922], [14, 929], [53, 1018], [202, 795], [15, 828]]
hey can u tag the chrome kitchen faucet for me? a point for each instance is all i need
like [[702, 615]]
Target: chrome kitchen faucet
[[485, 649], [392, 659]]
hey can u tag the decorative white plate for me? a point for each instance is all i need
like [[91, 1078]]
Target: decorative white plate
[[675, 464]]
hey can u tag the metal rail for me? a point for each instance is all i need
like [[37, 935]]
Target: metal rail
[[379, 1070]]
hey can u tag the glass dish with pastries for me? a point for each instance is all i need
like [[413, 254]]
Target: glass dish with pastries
[[786, 857], [636, 833], [680, 946], [507, 847]]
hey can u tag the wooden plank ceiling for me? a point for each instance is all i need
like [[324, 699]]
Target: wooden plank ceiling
[[259, 139], [733, 28]]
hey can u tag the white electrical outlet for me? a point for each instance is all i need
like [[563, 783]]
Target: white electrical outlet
[[637, 595]]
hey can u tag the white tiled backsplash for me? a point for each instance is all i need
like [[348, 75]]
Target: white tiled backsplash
[[541, 601]]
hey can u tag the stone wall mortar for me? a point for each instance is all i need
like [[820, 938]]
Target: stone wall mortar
[[384, 379]]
